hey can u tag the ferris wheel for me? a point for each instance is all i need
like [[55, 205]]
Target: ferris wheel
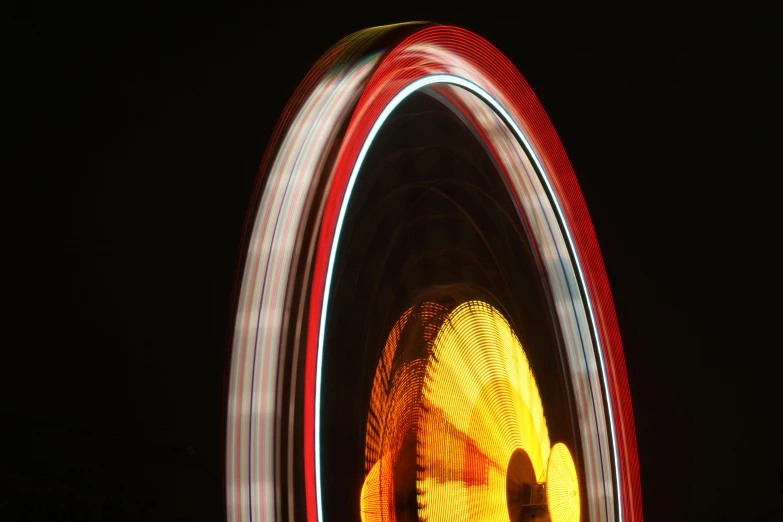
[[424, 327]]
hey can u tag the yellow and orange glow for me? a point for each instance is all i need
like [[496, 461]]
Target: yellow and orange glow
[[481, 403], [389, 491], [453, 399], [562, 486]]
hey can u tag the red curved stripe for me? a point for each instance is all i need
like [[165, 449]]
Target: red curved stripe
[[399, 68]]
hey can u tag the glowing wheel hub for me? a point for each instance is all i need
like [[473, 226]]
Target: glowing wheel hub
[[456, 422]]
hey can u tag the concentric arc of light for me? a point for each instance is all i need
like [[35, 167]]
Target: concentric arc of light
[[395, 410], [398, 98], [482, 400], [258, 330]]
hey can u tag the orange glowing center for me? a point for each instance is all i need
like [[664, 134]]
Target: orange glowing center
[[454, 413]]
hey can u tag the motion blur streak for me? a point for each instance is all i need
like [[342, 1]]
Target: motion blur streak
[[395, 414], [250, 447], [546, 229], [481, 403], [293, 230], [449, 407]]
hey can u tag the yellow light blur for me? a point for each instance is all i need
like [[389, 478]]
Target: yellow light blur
[[480, 404], [395, 413], [454, 397], [562, 486]]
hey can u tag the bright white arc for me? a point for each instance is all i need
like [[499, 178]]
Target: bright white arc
[[486, 97]]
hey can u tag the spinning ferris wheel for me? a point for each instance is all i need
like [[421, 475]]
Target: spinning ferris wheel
[[424, 328]]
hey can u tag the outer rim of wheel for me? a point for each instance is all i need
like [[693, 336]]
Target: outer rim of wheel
[[498, 82], [378, 97]]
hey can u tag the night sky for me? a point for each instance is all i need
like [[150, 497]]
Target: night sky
[[135, 136]]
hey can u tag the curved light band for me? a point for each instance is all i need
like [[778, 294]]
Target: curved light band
[[391, 447], [448, 409], [258, 331], [486, 97], [481, 405], [304, 190]]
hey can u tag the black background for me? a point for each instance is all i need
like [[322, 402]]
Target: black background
[[135, 135]]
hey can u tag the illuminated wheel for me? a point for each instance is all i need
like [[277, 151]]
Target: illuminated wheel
[[424, 328]]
